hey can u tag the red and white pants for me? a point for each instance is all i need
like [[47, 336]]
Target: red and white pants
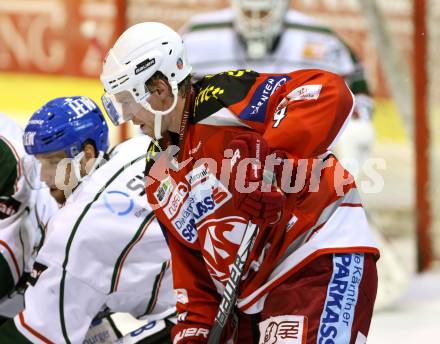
[[329, 301]]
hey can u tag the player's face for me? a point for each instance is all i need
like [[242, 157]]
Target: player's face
[[141, 116], [52, 171]]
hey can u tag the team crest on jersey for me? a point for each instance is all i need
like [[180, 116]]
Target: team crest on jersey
[[256, 109], [222, 236]]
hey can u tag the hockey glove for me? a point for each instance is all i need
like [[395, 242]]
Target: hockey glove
[[251, 185]]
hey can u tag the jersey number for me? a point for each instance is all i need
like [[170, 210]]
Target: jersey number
[[279, 116]]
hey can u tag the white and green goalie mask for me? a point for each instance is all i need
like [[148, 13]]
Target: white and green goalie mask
[[259, 22]]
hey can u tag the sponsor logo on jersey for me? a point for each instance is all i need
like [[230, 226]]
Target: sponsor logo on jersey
[[118, 202], [342, 295], [205, 198], [256, 109], [36, 272], [164, 190], [283, 329], [198, 174], [176, 199], [144, 65], [306, 92]]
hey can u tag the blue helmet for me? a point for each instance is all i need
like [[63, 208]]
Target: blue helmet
[[66, 124]]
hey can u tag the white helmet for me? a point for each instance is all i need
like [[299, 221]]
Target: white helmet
[[142, 50], [259, 22]]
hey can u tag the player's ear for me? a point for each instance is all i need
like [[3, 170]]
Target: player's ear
[[162, 88]]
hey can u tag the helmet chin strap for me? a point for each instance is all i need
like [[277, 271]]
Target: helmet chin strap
[[158, 114]]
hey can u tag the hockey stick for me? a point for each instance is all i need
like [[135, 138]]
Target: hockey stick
[[231, 290]]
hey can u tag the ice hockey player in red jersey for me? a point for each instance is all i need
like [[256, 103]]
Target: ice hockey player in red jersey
[[311, 274]]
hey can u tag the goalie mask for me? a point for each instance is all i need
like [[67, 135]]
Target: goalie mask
[[259, 22], [140, 52]]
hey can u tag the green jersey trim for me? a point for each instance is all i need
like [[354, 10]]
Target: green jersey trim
[[120, 261], [156, 287], [10, 334], [209, 26], [72, 235]]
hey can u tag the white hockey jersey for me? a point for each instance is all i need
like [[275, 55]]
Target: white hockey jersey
[[104, 251], [24, 214]]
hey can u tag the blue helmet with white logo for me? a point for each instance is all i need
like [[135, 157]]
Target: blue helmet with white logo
[[65, 124]]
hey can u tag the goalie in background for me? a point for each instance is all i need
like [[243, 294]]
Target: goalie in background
[[103, 251]]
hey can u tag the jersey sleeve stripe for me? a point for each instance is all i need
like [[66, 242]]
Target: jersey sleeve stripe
[[42, 227], [156, 287], [72, 235], [14, 259], [121, 259], [33, 331], [210, 26]]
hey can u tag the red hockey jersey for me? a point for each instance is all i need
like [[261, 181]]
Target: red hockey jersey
[[300, 113]]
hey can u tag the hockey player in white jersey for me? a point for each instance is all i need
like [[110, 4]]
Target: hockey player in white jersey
[[24, 213], [104, 250], [264, 35]]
